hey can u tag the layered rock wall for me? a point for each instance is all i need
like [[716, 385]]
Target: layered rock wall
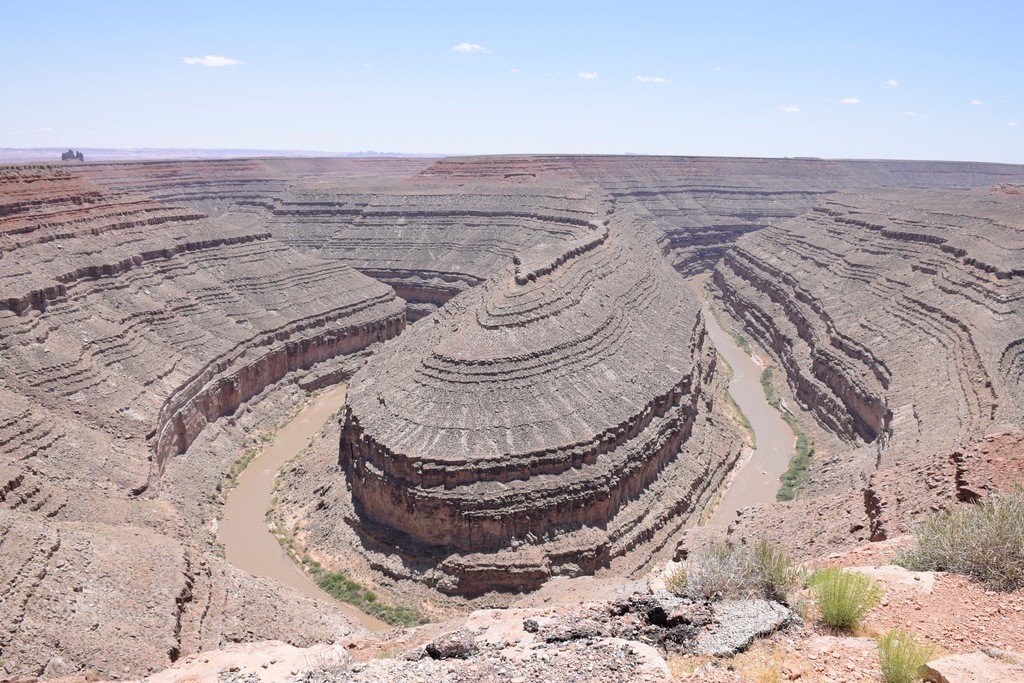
[[508, 435], [127, 325], [897, 319]]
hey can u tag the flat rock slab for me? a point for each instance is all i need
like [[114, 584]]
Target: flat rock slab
[[739, 622], [894, 575], [976, 667]]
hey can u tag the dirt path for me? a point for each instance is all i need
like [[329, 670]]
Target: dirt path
[[757, 481], [248, 542]]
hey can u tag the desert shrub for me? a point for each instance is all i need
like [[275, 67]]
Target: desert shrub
[[721, 570], [799, 469], [774, 571], [678, 581], [843, 597], [342, 588], [717, 569], [984, 540], [330, 665], [902, 657]]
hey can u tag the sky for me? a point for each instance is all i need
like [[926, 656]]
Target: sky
[[899, 80]]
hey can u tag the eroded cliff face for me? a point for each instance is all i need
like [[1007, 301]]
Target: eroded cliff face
[[558, 416], [429, 242], [126, 327], [896, 318], [542, 423], [698, 206]]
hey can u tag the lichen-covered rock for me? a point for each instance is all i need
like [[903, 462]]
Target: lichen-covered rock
[[456, 645]]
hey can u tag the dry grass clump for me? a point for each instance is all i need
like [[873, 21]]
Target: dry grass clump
[[902, 657], [985, 540], [762, 663], [724, 571], [683, 667], [843, 597], [775, 573]]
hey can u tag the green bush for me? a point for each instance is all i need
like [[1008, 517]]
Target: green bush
[[902, 657], [768, 386], [799, 470], [843, 597], [344, 589], [721, 570], [984, 540], [775, 572], [741, 342]]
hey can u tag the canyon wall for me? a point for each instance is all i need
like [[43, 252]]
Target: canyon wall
[[545, 422], [128, 325], [428, 242], [554, 411], [897, 318]]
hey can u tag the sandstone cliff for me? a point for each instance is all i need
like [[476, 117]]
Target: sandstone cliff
[[126, 327]]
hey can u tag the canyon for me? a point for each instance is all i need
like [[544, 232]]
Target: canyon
[[533, 391]]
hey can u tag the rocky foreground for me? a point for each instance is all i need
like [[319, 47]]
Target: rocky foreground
[[654, 636]]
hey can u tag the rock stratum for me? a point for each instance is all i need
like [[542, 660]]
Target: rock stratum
[[898, 320], [556, 410], [545, 422], [127, 326]]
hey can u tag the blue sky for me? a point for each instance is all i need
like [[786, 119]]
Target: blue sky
[[925, 80]]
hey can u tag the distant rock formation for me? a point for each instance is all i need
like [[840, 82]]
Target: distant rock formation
[[72, 155]]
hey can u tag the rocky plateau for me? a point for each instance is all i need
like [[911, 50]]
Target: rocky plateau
[[535, 407]]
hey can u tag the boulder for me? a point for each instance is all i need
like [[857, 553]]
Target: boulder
[[992, 666]]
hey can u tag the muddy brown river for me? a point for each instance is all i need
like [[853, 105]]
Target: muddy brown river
[[757, 480], [250, 545], [248, 542]]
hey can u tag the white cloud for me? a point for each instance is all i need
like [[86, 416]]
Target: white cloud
[[890, 84], [367, 66], [975, 102], [909, 113], [652, 79], [789, 108], [849, 100], [1012, 124], [43, 129], [514, 70], [212, 60], [589, 75], [469, 47], [720, 68]]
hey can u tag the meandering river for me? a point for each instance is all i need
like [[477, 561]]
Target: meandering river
[[248, 542], [250, 545], [757, 480]]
